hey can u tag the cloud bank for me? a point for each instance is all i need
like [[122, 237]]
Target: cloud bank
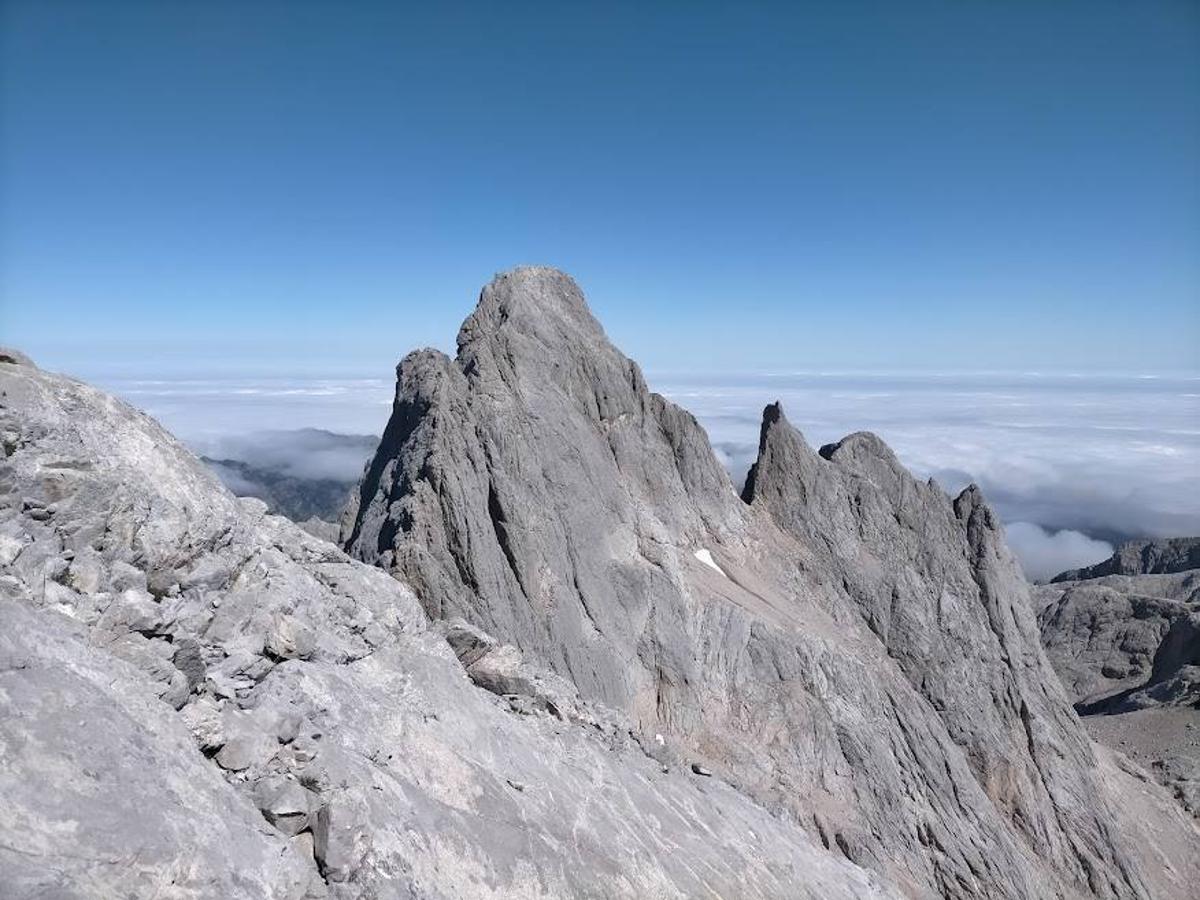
[[1072, 463], [307, 453], [1043, 554], [1087, 460]]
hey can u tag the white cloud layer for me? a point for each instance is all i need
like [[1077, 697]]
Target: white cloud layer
[[1102, 458], [1043, 554], [306, 453], [1072, 464]]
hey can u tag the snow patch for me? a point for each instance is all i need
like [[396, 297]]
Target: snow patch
[[706, 557]]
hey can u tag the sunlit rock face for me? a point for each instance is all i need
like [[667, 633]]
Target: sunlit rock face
[[200, 700], [1127, 649], [842, 643]]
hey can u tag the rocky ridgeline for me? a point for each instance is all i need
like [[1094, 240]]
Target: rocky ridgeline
[[612, 677], [843, 644], [1151, 557], [199, 700]]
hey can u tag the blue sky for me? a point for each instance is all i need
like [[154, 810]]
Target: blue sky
[[319, 186]]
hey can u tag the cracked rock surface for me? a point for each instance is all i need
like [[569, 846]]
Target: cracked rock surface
[[1127, 648], [844, 644], [198, 700]]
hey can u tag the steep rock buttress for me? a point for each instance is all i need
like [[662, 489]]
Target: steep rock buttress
[[844, 643]]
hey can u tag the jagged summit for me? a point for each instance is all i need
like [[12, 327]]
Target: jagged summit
[[539, 302], [848, 644], [781, 451]]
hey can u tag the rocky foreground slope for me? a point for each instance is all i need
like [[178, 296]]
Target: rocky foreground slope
[[1124, 638], [199, 700], [612, 677], [844, 644]]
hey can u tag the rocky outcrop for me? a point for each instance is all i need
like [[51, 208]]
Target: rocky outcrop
[[1155, 557], [1127, 647], [1115, 637], [845, 644], [200, 700]]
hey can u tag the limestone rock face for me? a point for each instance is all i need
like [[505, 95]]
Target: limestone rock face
[[1127, 647], [1119, 635], [1156, 557], [104, 792], [198, 700], [843, 643]]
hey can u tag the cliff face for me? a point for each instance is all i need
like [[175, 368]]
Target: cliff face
[[1127, 648], [198, 700], [844, 643]]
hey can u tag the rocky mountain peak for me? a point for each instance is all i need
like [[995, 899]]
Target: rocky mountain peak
[[782, 454], [848, 644], [532, 325], [200, 700], [533, 301]]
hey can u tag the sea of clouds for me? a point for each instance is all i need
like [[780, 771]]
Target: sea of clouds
[[1072, 463]]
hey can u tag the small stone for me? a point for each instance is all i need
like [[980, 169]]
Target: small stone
[[10, 549], [86, 572], [189, 660], [284, 802], [222, 685], [123, 577], [336, 840], [132, 610], [239, 753], [289, 638], [203, 718]]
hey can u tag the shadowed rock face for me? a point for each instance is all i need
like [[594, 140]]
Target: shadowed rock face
[[199, 700], [843, 642]]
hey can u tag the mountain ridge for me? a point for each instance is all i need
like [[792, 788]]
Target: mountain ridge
[[1156, 556], [200, 700], [611, 673], [534, 486]]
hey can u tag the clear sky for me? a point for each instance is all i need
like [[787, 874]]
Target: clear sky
[[952, 185]]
